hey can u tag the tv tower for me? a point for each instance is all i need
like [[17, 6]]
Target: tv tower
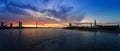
[[95, 23], [36, 24]]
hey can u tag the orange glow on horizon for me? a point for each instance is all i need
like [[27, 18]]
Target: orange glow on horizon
[[45, 25], [29, 25], [53, 25]]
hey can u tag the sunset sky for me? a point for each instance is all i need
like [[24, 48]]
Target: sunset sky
[[59, 12]]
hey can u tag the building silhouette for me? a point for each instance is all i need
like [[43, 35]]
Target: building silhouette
[[11, 24], [70, 24], [2, 24], [5, 26], [95, 23], [20, 24]]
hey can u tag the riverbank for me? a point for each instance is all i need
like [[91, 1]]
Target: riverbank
[[93, 29]]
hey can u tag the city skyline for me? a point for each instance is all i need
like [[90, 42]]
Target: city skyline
[[58, 12]]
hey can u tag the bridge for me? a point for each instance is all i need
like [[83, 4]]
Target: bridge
[[93, 24]]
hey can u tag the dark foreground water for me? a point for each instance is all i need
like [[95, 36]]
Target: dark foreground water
[[57, 40]]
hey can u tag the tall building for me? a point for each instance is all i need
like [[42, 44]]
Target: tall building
[[2, 24], [20, 24], [95, 23], [70, 24], [11, 24]]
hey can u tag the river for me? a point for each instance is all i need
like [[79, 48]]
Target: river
[[57, 40]]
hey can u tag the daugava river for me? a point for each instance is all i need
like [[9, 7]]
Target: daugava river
[[57, 40]]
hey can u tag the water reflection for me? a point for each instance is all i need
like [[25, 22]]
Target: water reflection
[[11, 40], [57, 40]]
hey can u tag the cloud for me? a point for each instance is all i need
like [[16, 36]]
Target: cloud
[[45, 1], [50, 11], [41, 16]]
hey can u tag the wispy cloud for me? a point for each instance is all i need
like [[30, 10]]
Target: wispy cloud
[[41, 16], [40, 10]]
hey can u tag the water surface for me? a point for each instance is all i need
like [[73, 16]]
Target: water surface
[[57, 40]]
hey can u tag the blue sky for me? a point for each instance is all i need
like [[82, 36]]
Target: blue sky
[[60, 11]]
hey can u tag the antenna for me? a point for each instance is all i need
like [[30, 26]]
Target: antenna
[[36, 24]]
